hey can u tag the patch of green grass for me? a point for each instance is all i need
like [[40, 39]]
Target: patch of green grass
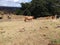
[[55, 41]]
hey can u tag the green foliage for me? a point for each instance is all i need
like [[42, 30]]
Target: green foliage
[[40, 8], [17, 12], [27, 12], [55, 41]]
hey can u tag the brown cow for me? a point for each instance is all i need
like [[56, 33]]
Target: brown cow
[[28, 18], [53, 17], [9, 17]]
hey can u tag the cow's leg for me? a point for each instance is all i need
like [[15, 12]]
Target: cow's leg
[[25, 20]]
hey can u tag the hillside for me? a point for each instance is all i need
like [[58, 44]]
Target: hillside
[[8, 9]]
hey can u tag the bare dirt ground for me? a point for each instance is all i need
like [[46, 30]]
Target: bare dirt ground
[[35, 32]]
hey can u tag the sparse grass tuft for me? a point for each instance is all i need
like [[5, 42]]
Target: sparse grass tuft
[[55, 41]]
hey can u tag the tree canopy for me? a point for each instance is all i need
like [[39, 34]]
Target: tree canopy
[[39, 8]]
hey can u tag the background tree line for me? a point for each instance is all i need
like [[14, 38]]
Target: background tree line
[[40, 8]]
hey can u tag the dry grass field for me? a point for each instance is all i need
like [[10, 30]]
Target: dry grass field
[[35, 32]]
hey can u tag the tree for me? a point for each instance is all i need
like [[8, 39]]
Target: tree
[[40, 8]]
